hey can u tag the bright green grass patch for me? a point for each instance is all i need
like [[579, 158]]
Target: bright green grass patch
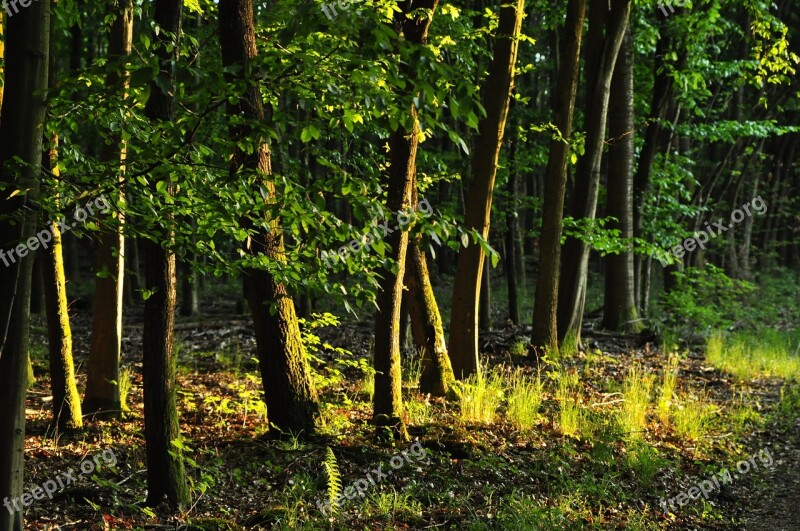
[[524, 400], [691, 417], [480, 396], [666, 393], [636, 396], [569, 413], [748, 356]]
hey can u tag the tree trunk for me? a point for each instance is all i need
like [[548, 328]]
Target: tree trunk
[[574, 267], [190, 304], [619, 311], [426, 321], [166, 477], [545, 332], [485, 302], [403, 143], [21, 132], [66, 400], [510, 258], [653, 139], [289, 389], [105, 346], [469, 268]]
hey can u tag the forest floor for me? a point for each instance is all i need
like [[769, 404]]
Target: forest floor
[[579, 472]]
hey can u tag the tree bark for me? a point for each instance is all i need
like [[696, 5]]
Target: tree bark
[[545, 332], [105, 346], [574, 267], [619, 311], [166, 477], [289, 389], [21, 133], [67, 413], [426, 321], [469, 268], [403, 143]]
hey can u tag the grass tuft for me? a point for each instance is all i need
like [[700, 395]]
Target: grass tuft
[[524, 400], [480, 397]]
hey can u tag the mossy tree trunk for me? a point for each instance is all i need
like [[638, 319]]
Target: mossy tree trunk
[[291, 398], [66, 400], [403, 144], [426, 321]]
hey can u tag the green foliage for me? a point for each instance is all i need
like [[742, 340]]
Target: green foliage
[[704, 300]]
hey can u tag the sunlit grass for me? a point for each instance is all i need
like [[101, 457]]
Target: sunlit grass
[[524, 401], [691, 417], [666, 393], [480, 396], [636, 399], [753, 356], [569, 413]]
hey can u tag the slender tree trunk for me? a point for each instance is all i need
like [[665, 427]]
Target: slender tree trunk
[[485, 302], [166, 477], [545, 332], [653, 140], [21, 133], [105, 346], [469, 268], [619, 311], [190, 303], [403, 143], [574, 267], [66, 400], [426, 321], [289, 389]]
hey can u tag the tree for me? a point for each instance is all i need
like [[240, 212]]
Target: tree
[[21, 133], [606, 30], [469, 268], [289, 390], [67, 413], [412, 22], [105, 346], [545, 332], [426, 321], [619, 311], [166, 477]]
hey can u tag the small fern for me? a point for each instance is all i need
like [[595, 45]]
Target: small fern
[[334, 479]]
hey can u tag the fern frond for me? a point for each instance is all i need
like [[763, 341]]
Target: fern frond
[[334, 478]]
